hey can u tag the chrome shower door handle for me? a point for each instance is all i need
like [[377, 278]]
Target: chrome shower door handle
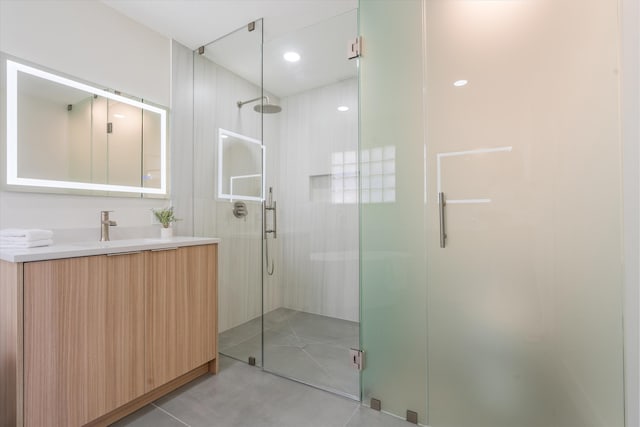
[[269, 207], [264, 219], [275, 221], [443, 231]]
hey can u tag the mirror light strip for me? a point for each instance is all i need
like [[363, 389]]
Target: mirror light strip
[[12, 133], [83, 186]]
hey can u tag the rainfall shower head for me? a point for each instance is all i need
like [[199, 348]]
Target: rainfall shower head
[[266, 107]]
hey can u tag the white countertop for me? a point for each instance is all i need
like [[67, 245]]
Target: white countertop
[[88, 248]]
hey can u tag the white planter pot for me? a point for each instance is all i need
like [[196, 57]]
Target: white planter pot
[[166, 233]]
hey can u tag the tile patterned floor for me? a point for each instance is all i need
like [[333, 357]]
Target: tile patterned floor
[[307, 347], [241, 396]]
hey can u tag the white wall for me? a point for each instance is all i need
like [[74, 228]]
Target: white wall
[[91, 41]]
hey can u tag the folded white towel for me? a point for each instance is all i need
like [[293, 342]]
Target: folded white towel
[[25, 244], [28, 235]]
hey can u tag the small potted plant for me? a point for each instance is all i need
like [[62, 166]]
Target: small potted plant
[[166, 217]]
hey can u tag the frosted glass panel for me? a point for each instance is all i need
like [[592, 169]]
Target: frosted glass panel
[[393, 239], [521, 312], [524, 303]]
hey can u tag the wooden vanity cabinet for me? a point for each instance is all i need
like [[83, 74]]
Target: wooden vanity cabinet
[[83, 337], [88, 340], [181, 311]]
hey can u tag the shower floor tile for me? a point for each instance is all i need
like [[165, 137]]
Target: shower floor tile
[[307, 347], [244, 396]]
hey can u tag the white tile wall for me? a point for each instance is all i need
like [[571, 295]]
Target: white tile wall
[[319, 238], [216, 92], [315, 254]]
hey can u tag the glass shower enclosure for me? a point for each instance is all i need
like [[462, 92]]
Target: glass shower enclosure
[[276, 177], [228, 179]]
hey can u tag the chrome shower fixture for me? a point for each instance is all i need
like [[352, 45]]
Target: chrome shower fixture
[[266, 107]]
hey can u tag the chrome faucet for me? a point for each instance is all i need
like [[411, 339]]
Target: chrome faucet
[[105, 223]]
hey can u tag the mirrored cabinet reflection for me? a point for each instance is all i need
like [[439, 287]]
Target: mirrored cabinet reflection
[[66, 134]]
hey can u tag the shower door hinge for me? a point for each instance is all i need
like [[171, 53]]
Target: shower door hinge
[[357, 358], [354, 49]]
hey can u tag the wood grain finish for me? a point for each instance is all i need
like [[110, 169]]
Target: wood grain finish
[[181, 302], [103, 335], [84, 325], [197, 305], [124, 364], [147, 398], [161, 317], [10, 344]]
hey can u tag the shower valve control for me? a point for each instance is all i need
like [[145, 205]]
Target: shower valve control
[[240, 209]]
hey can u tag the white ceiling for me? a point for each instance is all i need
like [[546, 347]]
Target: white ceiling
[[304, 25]]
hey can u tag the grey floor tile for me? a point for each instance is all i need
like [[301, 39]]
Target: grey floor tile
[[334, 361], [253, 346], [322, 328], [295, 363], [278, 316], [241, 395], [245, 396], [240, 333], [366, 417], [243, 350], [307, 347], [149, 416]]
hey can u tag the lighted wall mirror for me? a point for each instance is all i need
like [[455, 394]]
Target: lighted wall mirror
[[240, 167], [69, 135]]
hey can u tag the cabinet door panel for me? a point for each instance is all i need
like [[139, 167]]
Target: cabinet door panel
[[58, 298], [83, 338], [161, 315], [181, 311], [196, 270], [124, 325]]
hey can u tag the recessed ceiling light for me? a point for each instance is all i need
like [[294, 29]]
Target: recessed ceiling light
[[460, 83], [224, 136], [343, 108], [291, 56], [118, 115]]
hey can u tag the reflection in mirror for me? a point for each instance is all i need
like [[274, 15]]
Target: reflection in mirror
[[240, 167], [65, 134]]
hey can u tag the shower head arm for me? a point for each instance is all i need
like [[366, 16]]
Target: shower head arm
[[241, 103]]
